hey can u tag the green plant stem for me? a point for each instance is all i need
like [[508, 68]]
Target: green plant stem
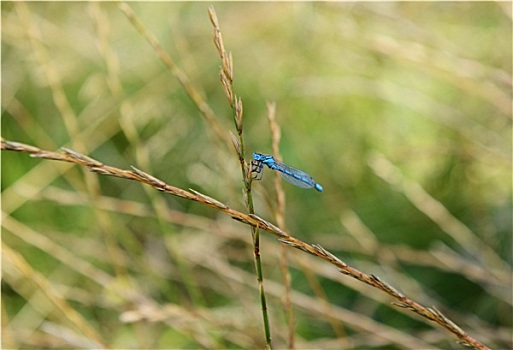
[[226, 75], [255, 233]]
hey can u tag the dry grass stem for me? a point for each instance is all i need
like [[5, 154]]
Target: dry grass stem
[[253, 220], [280, 220]]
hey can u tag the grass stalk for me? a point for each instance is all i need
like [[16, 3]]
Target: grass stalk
[[235, 102], [279, 215], [401, 300]]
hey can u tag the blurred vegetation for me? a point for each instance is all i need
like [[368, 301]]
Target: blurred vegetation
[[402, 111]]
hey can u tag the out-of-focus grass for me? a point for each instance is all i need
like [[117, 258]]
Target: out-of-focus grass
[[401, 111]]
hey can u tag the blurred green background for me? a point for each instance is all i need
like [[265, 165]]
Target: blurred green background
[[402, 111]]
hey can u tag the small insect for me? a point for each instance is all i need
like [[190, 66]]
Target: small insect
[[292, 175]]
